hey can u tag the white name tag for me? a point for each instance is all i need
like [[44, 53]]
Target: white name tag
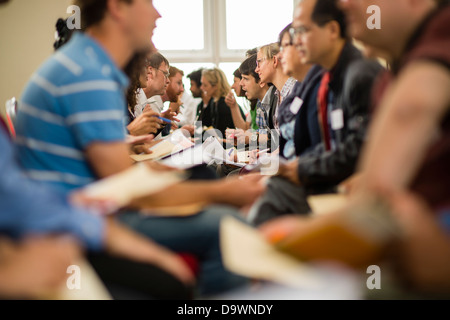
[[337, 119], [296, 105]]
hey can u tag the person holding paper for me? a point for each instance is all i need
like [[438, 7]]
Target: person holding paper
[[32, 209], [405, 161], [83, 139]]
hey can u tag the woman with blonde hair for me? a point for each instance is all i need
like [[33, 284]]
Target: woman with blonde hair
[[217, 114]]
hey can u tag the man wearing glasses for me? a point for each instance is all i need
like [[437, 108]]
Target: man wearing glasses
[[319, 33]]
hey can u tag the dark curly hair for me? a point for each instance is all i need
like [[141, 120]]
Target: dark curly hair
[[63, 33], [133, 70]]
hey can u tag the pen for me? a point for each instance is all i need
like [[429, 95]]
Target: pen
[[164, 119]]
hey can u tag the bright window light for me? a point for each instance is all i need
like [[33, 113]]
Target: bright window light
[[254, 23], [181, 26]]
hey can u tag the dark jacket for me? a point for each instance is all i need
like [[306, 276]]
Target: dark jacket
[[217, 114], [306, 133], [350, 85], [307, 130]]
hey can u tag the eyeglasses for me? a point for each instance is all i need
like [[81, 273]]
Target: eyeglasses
[[298, 31], [285, 46], [165, 73], [259, 61]]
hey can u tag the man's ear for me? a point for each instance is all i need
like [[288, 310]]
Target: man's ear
[[151, 73], [116, 9], [335, 29]]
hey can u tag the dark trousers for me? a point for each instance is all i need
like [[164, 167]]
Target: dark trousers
[[130, 280]]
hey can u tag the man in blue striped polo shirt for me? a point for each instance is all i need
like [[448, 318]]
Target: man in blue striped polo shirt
[[71, 131]]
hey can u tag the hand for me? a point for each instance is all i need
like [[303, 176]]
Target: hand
[[141, 144], [145, 124], [169, 114], [175, 106], [241, 191], [190, 129], [37, 267], [96, 206], [253, 156], [143, 148], [230, 100], [289, 171], [280, 228], [175, 265], [351, 185]]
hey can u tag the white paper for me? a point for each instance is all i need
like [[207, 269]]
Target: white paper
[[247, 253], [135, 182]]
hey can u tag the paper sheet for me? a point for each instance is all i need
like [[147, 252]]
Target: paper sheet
[[187, 158], [247, 253], [327, 203], [138, 181], [162, 149]]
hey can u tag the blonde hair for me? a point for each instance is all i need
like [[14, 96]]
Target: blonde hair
[[270, 50], [217, 78]]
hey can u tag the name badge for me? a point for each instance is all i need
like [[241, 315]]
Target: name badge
[[337, 119], [296, 105]]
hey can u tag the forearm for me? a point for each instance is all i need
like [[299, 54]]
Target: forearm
[[122, 242], [108, 158], [183, 194], [238, 121], [405, 127]]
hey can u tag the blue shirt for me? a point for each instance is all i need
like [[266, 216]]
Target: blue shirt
[[28, 207], [76, 98]]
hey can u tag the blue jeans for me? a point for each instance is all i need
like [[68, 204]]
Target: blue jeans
[[197, 235]]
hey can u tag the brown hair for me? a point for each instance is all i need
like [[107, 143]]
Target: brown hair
[[133, 71], [217, 78], [156, 59], [174, 71], [93, 11]]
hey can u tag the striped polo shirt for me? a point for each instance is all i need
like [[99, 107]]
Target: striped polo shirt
[[76, 98]]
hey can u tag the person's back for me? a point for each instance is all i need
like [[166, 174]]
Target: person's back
[[73, 131], [77, 90]]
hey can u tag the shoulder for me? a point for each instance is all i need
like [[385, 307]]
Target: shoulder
[[433, 43], [362, 70]]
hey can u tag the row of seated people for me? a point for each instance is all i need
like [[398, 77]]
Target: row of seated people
[[341, 119]]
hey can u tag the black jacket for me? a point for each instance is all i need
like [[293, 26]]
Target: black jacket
[[217, 114], [351, 85]]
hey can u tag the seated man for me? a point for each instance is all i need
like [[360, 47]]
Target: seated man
[[407, 158], [83, 138], [32, 209], [343, 109]]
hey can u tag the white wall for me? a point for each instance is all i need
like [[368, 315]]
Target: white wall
[[27, 29]]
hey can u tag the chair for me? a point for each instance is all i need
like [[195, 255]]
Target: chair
[[11, 109]]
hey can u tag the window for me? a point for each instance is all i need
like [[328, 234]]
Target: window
[[180, 29], [253, 23], [218, 31], [207, 33]]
